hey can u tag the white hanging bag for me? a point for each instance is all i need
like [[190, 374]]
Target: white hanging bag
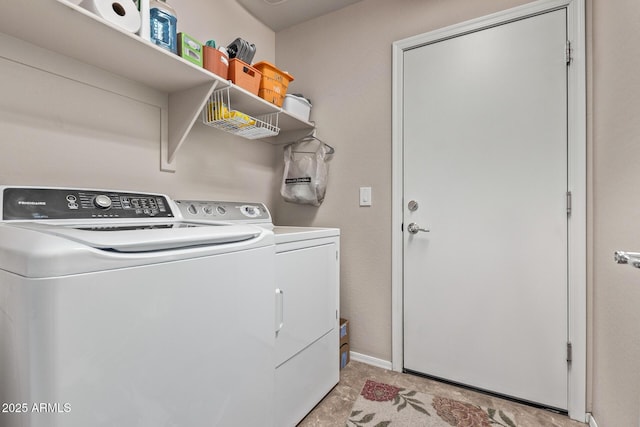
[[306, 169]]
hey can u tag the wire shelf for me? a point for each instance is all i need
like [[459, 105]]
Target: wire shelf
[[219, 114]]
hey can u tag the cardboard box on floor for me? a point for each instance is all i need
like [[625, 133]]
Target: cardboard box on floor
[[344, 342], [344, 355], [344, 331]]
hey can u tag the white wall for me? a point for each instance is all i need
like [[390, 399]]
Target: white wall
[[615, 108], [56, 131], [342, 61]]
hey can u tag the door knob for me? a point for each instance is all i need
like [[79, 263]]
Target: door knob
[[413, 228]]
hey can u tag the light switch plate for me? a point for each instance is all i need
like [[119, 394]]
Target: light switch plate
[[365, 196]]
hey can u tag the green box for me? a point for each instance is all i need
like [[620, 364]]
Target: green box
[[190, 49]]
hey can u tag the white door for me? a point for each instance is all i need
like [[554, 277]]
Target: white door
[[485, 158]]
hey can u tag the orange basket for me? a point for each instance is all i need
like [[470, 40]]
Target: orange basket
[[271, 96], [215, 61], [274, 83], [244, 75]]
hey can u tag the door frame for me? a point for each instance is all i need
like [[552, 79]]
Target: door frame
[[577, 182]]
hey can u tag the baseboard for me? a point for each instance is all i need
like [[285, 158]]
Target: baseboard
[[592, 421], [373, 361]]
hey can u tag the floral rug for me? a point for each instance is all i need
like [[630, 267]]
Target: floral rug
[[381, 405]]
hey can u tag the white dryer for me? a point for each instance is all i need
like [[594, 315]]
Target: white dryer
[[307, 287], [308, 339], [116, 312]]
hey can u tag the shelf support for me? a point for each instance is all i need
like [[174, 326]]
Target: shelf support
[[184, 109]]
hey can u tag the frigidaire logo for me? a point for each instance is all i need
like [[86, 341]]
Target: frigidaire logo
[[22, 202]]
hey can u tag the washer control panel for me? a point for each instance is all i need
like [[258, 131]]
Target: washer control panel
[[29, 203], [224, 211]]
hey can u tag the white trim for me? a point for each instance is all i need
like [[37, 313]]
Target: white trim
[[577, 322], [591, 421], [577, 174], [369, 360], [397, 338]]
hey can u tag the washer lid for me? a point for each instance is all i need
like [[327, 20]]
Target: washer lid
[[146, 237]]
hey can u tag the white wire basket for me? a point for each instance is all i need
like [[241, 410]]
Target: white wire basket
[[219, 114]]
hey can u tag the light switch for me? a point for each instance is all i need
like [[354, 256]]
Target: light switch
[[365, 196]]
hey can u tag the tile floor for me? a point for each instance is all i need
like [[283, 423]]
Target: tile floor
[[336, 406]]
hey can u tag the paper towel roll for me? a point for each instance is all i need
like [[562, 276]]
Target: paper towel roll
[[122, 13], [145, 24]]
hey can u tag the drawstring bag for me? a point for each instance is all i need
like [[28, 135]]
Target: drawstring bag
[[306, 170]]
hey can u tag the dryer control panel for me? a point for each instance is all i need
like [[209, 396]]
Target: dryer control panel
[[245, 212], [30, 203]]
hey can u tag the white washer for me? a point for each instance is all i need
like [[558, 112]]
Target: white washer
[[307, 271], [116, 312]]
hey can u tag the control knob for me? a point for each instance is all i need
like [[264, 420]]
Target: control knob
[[101, 201], [250, 211]]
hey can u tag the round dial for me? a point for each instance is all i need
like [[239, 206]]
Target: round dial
[[208, 210], [101, 201], [250, 211]]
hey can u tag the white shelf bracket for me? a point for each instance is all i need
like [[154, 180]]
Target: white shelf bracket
[[184, 110]]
